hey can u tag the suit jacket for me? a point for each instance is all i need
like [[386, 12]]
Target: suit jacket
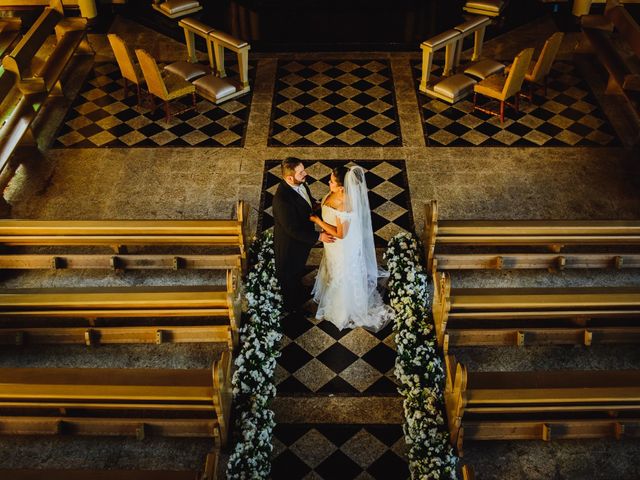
[[294, 234]]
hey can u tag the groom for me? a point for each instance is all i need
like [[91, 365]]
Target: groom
[[294, 234]]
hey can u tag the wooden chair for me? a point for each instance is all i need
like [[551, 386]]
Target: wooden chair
[[538, 71], [602, 243], [136, 402], [166, 85], [122, 315], [540, 405], [520, 316], [488, 8], [503, 88], [129, 69]]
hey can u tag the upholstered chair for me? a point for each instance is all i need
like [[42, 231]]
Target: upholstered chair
[[129, 69], [538, 71], [164, 85], [503, 88], [176, 8]]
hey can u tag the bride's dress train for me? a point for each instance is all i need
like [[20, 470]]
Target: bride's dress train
[[346, 285]]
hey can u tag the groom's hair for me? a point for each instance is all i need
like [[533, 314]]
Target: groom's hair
[[289, 165]]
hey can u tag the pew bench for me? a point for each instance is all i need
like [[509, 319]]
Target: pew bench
[[136, 402], [540, 405], [512, 244], [466, 317], [119, 235], [618, 51], [9, 33], [36, 68], [105, 315]]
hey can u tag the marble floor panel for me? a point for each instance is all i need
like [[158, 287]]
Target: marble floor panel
[[569, 116], [318, 358], [389, 197], [102, 116], [339, 452], [334, 103]]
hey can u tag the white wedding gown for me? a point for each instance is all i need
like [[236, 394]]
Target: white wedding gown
[[346, 286]]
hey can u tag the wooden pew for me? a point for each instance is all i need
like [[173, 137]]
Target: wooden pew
[[623, 67], [117, 402], [525, 316], [37, 74], [523, 235], [540, 405], [9, 33], [121, 234], [121, 315]]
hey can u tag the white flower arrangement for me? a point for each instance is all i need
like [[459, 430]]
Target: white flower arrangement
[[253, 379], [418, 364]]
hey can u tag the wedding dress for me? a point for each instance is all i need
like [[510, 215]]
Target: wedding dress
[[346, 286]]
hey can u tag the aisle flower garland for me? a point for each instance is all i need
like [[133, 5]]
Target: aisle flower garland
[[419, 366], [253, 380]]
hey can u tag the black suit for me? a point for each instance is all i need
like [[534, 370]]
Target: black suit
[[294, 236]]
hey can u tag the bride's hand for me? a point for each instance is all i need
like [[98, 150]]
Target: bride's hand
[[314, 218]]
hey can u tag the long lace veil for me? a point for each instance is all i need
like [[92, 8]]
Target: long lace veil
[[360, 228]]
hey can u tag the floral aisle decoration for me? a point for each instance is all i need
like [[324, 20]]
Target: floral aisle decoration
[[253, 379], [418, 366]]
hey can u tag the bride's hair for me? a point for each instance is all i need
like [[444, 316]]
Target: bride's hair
[[339, 173]]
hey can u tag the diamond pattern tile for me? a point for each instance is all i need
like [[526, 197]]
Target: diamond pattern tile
[[339, 452], [101, 116], [569, 116], [388, 193], [334, 103]]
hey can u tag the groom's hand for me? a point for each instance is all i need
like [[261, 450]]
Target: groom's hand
[[326, 238]]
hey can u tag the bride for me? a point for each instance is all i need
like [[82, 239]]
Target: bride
[[346, 285]]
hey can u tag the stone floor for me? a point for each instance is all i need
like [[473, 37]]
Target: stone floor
[[366, 110]]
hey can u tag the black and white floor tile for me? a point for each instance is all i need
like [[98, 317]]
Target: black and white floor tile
[[388, 193], [334, 103], [569, 116], [101, 116], [339, 452], [318, 358]]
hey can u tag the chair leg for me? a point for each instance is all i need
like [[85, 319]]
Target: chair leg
[[126, 88], [545, 86], [475, 100], [501, 111], [167, 116], [139, 95], [517, 102], [193, 98]]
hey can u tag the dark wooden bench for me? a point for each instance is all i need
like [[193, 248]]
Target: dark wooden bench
[[121, 315], [602, 237], [121, 234], [540, 405], [117, 402], [9, 33], [525, 316], [618, 51]]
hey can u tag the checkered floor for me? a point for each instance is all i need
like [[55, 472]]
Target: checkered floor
[[100, 116], [388, 193], [339, 452], [334, 103], [319, 358], [568, 116]]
